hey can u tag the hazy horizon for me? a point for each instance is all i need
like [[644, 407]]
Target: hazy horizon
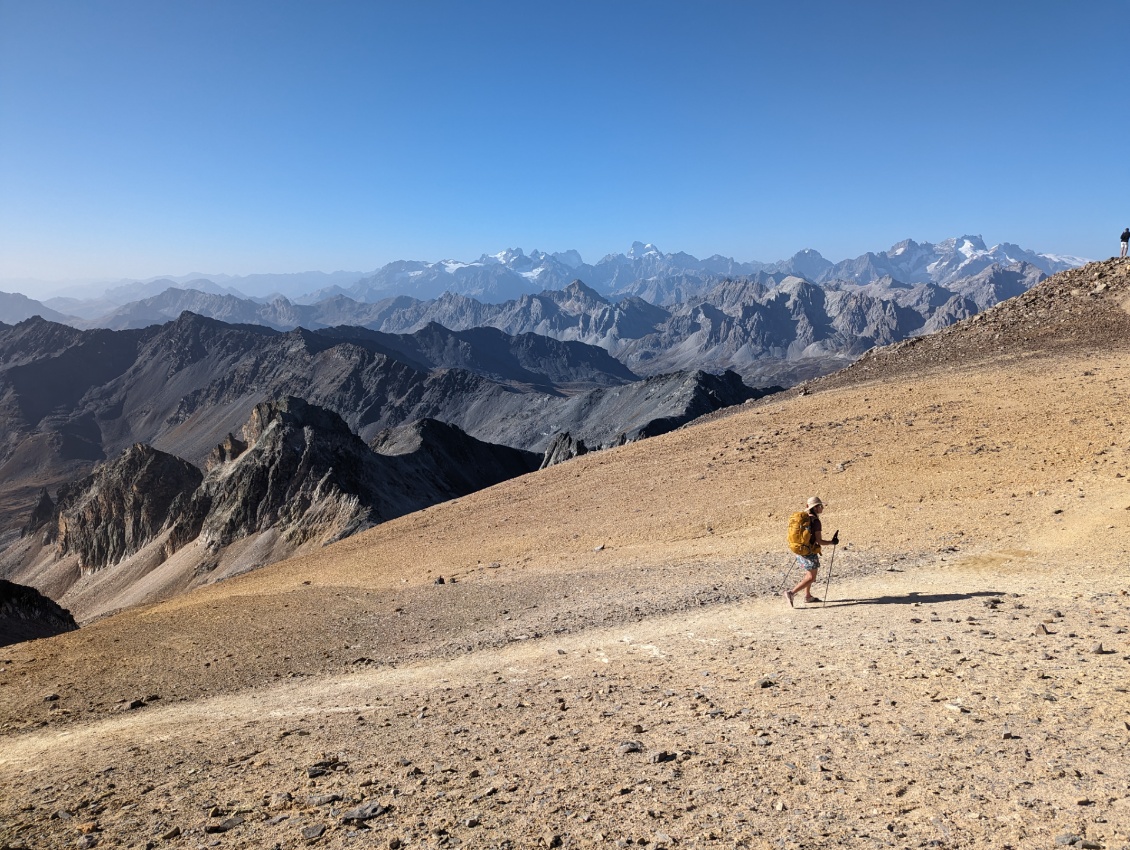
[[146, 140]]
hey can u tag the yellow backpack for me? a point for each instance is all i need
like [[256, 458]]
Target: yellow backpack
[[800, 534]]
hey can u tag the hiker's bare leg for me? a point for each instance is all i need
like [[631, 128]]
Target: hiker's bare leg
[[805, 583]]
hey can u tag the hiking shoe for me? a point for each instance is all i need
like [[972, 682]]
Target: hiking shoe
[[810, 599], [788, 594]]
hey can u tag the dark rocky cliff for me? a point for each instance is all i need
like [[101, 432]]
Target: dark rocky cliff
[[303, 473], [306, 475], [562, 448], [41, 514], [454, 461], [26, 614]]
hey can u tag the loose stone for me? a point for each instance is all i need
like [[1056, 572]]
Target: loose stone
[[364, 812]]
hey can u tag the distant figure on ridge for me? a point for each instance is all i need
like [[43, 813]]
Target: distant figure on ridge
[[1125, 241], [805, 540]]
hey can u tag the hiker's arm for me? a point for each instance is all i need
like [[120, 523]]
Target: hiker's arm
[[834, 541]]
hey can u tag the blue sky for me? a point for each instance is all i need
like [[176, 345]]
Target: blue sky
[[142, 138]]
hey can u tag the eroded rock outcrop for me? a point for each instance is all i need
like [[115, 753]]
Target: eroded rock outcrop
[[123, 505], [231, 448], [41, 514], [562, 448], [296, 475], [303, 473]]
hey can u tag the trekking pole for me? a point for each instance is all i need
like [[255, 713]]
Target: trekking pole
[[788, 569], [828, 584]]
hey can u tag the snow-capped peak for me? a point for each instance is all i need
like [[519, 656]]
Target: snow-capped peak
[[504, 258], [640, 250], [971, 246], [904, 247], [967, 246]]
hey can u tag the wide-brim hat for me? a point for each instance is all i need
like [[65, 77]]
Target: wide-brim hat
[[814, 502]]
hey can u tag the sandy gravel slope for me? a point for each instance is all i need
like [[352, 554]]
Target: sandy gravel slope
[[920, 707], [953, 693]]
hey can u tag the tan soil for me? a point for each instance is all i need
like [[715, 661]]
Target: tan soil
[[912, 710]]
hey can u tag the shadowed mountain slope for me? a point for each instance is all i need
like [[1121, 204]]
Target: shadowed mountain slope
[[526, 359], [15, 307]]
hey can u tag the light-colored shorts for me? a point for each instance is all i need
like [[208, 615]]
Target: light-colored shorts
[[809, 562]]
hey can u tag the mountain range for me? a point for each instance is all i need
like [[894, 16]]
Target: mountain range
[[644, 270], [668, 278], [549, 375], [658, 312], [773, 327]]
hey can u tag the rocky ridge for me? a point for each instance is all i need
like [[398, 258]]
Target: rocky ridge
[[775, 326], [114, 512], [298, 477], [669, 277], [562, 448], [1079, 308]]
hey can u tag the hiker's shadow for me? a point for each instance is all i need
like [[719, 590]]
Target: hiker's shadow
[[914, 598]]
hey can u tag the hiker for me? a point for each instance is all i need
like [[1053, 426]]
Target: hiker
[[1125, 242], [805, 540]]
